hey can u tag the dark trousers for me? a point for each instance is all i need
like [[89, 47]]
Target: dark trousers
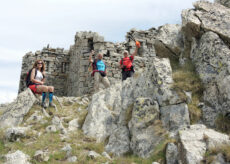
[[126, 74]]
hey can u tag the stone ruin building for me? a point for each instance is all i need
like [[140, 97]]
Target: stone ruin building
[[67, 70]]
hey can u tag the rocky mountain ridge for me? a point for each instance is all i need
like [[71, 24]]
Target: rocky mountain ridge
[[146, 119]]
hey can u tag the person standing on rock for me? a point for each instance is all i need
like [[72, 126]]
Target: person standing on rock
[[37, 80], [99, 71], [126, 63]]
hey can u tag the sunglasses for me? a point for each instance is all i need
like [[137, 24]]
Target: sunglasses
[[40, 63]]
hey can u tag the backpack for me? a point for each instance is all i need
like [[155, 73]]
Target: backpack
[[28, 82], [94, 64], [131, 68]]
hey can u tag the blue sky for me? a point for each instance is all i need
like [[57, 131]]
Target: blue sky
[[29, 25]]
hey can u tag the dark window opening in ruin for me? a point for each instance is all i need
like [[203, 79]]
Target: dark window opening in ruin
[[149, 45], [47, 64], [107, 54], [63, 67], [90, 43], [67, 66]]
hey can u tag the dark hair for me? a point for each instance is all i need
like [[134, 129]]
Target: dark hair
[[43, 65]]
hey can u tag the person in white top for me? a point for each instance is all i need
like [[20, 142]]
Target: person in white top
[[37, 79]]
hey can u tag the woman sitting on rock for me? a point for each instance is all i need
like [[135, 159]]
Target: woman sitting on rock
[[37, 80]]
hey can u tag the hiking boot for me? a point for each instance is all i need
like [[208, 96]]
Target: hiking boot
[[51, 104], [44, 105]]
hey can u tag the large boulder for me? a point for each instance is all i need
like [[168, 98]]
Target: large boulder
[[171, 154], [190, 24], [196, 140], [206, 32], [119, 142], [15, 111], [142, 127], [212, 59], [175, 117], [223, 2], [15, 133], [207, 16], [169, 40], [103, 113], [128, 113], [17, 157]]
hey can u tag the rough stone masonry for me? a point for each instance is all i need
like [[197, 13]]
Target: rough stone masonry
[[67, 70]]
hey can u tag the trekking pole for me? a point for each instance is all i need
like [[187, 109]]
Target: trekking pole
[[58, 101], [132, 38]]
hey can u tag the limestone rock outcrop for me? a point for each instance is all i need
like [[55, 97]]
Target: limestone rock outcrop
[[196, 140], [207, 29], [169, 40], [15, 111], [17, 157], [172, 154], [12, 134], [223, 2], [132, 109], [119, 141], [175, 116], [103, 113]]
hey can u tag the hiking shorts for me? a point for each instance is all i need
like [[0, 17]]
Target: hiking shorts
[[34, 88], [126, 74]]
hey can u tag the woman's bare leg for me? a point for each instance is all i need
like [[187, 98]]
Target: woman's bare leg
[[50, 88], [42, 88]]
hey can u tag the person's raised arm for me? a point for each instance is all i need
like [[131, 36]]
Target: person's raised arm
[[32, 75], [138, 45], [90, 56]]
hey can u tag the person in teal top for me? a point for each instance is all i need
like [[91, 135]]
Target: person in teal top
[[100, 65], [99, 71]]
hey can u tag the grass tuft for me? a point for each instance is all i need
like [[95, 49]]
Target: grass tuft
[[210, 154], [186, 79], [223, 123], [82, 117]]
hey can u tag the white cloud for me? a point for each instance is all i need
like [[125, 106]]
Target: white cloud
[[6, 96], [10, 55]]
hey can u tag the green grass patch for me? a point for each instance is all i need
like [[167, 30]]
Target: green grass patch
[[223, 123], [82, 116], [51, 141], [210, 154], [31, 111], [194, 112], [81, 144], [57, 156], [186, 79], [128, 113]]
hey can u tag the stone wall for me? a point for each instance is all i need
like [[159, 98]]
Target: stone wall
[[68, 71], [57, 66]]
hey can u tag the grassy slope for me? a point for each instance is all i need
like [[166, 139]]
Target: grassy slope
[[80, 144]]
